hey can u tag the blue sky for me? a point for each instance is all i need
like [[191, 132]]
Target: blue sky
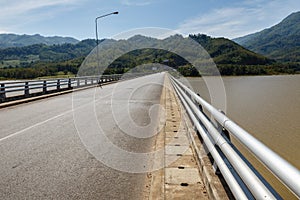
[[75, 18]]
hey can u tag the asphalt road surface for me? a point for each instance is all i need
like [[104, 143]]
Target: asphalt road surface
[[43, 155]]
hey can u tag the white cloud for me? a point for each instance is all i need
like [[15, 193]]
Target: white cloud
[[135, 2], [12, 8], [241, 19], [15, 13]]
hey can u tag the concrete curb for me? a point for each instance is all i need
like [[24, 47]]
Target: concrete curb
[[180, 179], [212, 182]]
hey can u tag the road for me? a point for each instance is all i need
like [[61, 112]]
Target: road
[[43, 155]]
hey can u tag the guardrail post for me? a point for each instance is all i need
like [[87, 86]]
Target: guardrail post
[[2, 92], [69, 83], [199, 105], [45, 87], [26, 91], [78, 82], [58, 84], [223, 130], [85, 81]]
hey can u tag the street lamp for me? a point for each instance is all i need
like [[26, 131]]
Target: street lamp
[[113, 13], [97, 40]]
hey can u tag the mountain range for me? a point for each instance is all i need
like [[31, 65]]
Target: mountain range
[[47, 60], [280, 42], [13, 40], [272, 51], [222, 50]]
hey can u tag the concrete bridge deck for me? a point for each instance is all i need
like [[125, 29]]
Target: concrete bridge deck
[[42, 156]]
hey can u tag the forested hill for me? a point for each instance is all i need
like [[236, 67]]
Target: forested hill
[[40, 60], [225, 51], [222, 50], [13, 40], [51, 53], [280, 42]]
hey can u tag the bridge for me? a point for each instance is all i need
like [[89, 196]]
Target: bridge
[[51, 149]]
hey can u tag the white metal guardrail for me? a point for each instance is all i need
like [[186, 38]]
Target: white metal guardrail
[[242, 178], [12, 90]]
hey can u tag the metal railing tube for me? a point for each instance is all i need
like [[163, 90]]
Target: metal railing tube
[[50, 85], [234, 186], [287, 173], [283, 170], [257, 188]]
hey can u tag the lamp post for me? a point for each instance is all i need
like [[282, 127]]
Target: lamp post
[[97, 40], [96, 20]]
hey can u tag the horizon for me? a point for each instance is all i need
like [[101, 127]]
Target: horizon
[[122, 36], [137, 31], [229, 19]]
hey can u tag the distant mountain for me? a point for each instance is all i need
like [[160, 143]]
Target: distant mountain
[[222, 50], [13, 40], [50, 53], [225, 51], [50, 60], [230, 58], [280, 42]]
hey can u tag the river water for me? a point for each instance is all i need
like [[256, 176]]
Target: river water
[[268, 107]]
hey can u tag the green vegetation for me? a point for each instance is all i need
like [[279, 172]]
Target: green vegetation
[[42, 52], [145, 56], [42, 69], [13, 40], [233, 59], [40, 60], [224, 51], [280, 42], [15, 63]]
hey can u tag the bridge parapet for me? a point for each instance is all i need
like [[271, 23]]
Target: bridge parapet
[[13, 90], [243, 179]]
